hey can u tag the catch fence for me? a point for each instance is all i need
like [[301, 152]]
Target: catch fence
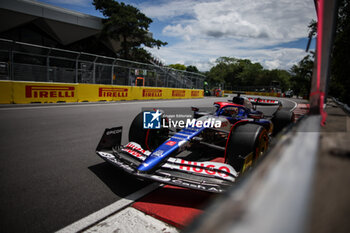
[[27, 62]]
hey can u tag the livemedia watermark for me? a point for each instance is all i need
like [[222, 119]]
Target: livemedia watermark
[[157, 119]]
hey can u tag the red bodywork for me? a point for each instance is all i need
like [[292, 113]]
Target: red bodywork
[[224, 104]]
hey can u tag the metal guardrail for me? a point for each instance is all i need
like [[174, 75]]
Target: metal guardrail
[[274, 198], [27, 62], [344, 106]]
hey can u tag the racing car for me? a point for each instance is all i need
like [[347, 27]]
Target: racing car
[[210, 153]]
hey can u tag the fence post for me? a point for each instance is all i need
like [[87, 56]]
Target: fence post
[[11, 65], [113, 70], [166, 79], [94, 71], [48, 66], [77, 68]]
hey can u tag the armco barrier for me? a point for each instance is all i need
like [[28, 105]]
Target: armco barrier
[[35, 92]]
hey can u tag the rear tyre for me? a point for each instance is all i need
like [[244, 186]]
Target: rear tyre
[[281, 119], [149, 139], [246, 143]]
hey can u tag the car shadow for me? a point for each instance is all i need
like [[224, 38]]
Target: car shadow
[[119, 182], [123, 184]]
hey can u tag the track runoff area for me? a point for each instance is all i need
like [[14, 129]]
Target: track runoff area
[[57, 183]]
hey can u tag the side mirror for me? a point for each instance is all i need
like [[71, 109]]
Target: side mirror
[[256, 115], [195, 109]]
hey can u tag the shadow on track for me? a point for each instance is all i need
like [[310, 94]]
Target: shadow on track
[[119, 182]]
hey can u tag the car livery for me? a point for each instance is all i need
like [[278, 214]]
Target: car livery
[[204, 158]]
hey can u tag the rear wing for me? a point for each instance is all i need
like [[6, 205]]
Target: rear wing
[[260, 101]]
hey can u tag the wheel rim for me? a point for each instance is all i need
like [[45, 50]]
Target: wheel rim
[[262, 146]]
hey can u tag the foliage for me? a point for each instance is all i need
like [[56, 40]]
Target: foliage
[[192, 69], [183, 67], [128, 25], [178, 66], [233, 72], [312, 28], [340, 64], [302, 75], [340, 60]]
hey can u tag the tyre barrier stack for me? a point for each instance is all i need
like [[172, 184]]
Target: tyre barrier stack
[[18, 92]]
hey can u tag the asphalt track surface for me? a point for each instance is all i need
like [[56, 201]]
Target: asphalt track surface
[[49, 173]]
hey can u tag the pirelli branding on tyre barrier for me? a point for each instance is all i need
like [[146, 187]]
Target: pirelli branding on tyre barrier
[[34, 92], [52, 92]]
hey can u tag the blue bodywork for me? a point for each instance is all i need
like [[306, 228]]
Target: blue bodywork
[[168, 147], [180, 139]]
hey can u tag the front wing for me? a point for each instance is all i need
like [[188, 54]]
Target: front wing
[[206, 176]]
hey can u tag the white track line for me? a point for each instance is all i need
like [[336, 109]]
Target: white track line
[[99, 215], [295, 104], [284, 99]]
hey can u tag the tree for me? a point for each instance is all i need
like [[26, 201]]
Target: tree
[[283, 77], [128, 25], [301, 75], [250, 72], [340, 59], [178, 66], [225, 72], [233, 73], [192, 69], [340, 64]]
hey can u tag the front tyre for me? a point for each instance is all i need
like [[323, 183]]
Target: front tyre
[[149, 139], [281, 119], [245, 144]]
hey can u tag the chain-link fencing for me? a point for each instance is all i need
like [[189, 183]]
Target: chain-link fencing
[[27, 62]]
